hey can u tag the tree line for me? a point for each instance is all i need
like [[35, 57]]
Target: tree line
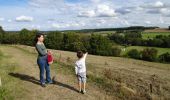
[[135, 39], [95, 44]]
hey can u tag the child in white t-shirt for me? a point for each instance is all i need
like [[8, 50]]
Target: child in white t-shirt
[[80, 69]]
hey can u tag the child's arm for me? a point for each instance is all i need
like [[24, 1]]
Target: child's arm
[[85, 55], [76, 69]]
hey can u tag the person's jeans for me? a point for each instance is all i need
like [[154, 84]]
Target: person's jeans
[[43, 64]]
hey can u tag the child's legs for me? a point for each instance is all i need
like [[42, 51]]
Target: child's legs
[[79, 82], [83, 80], [84, 86]]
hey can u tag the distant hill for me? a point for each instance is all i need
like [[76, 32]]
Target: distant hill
[[138, 28]]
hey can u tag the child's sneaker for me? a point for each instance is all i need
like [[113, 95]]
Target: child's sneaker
[[84, 91], [80, 91]]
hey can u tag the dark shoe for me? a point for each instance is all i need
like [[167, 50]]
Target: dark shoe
[[80, 91], [50, 82], [43, 85]]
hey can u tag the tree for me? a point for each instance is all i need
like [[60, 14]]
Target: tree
[[134, 54], [155, 42], [117, 38], [116, 51], [70, 41], [54, 40], [133, 35], [165, 57], [100, 45], [27, 37], [2, 33], [149, 54], [1, 30]]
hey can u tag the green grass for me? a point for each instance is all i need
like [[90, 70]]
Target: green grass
[[8, 90], [151, 35], [140, 48]]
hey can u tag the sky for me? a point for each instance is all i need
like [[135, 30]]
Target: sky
[[48, 15]]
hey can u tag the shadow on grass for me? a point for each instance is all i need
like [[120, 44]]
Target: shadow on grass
[[65, 86], [35, 81], [25, 77]]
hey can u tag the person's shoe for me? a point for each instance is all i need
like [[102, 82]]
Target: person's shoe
[[43, 85], [84, 91], [80, 91], [51, 82]]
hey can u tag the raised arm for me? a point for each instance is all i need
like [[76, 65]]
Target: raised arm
[[85, 55]]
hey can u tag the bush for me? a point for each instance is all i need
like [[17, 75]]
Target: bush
[[117, 38], [100, 45], [164, 57], [134, 54], [149, 54], [54, 40], [71, 41], [155, 42], [116, 51]]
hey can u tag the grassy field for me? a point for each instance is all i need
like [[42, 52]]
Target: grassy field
[[140, 48], [151, 35], [108, 78], [122, 78], [10, 88]]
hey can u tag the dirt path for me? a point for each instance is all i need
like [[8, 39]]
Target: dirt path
[[65, 89]]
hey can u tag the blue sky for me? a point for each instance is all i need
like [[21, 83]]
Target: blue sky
[[82, 14]]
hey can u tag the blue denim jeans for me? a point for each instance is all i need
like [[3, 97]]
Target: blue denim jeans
[[43, 65]]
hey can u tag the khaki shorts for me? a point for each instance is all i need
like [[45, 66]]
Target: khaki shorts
[[82, 77]]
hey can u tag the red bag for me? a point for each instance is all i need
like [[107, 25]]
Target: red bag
[[50, 58]]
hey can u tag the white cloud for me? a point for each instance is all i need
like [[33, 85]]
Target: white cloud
[[105, 11], [161, 20], [2, 19], [9, 20], [48, 3], [35, 27], [99, 11], [148, 22], [158, 4], [95, 1], [163, 11], [24, 19], [123, 10], [90, 13], [80, 14]]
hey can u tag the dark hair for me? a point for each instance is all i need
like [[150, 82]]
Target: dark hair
[[79, 54], [36, 38]]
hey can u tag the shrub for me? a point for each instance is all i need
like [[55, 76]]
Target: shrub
[[54, 40], [116, 51], [149, 54], [164, 57], [134, 54]]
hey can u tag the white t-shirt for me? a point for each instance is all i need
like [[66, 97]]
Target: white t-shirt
[[80, 66]]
